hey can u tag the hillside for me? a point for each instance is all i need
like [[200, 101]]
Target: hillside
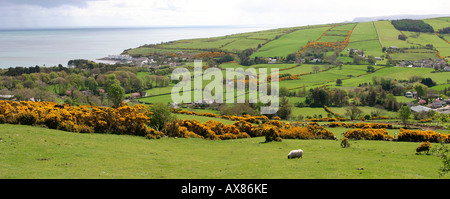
[[284, 41], [297, 50], [40, 153], [354, 81]]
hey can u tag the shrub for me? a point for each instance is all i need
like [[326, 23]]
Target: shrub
[[424, 147], [161, 114], [345, 143], [2, 119], [153, 134], [367, 134], [272, 133], [362, 125], [52, 120], [442, 151], [402, 37], [421, 136], [26, 118], [84, 119], [311, 131]]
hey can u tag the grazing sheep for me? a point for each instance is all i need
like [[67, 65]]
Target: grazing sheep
[[295, 154]]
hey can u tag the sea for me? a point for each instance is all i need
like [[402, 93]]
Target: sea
[[51, 47]]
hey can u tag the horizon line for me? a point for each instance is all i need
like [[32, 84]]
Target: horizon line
[[144, 27]]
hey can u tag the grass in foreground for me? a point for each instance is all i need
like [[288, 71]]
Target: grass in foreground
[[34, 152]]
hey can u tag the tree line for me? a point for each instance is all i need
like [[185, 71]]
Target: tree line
[[412, 25], [85, 82]]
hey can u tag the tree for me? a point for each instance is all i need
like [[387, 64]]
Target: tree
[[60, 83], [412, 25], [420, 89], [372, 97], [370, 68], [316, 69], [402, 37], [390, 103], [284, 91], [353, 112], [443, 152], [161, 116], [91, 84], [371, 59], [428, 82], [116, 94], [338, 82], [404, 113], [291, 57], [285, 109], [318, 97]]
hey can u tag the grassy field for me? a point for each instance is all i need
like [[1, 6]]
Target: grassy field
[[37, 153], [413, 56], [429, 38], [389, 35], [235, 42], [364, 37], [325, 77], [438, 23], [351, 75], [289, 43], [399, 73]]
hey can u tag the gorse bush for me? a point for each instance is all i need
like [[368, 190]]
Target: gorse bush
[[134, 120], [126, 119], [273, 130], [424, 147], [210, 130], [361, 125], [422, 136], [25, 118], [272, 133], [367, 134], [247, 118]]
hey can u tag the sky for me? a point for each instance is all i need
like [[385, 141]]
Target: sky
[[18, 14]]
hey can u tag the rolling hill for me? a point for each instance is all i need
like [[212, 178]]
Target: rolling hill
[[325, 71], [326, 46], [284, 41]]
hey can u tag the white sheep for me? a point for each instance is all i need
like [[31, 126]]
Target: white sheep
[[295, 154]]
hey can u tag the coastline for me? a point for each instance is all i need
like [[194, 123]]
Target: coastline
[[106, 60]]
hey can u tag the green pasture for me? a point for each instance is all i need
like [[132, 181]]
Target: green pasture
[[346, 27], [389, 35], [429, 38], [413, 56], [438, 23], [39, 153], [289, 43], [364, 37], [331, 38]]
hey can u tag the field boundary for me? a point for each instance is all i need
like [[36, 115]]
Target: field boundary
[[378, 35]]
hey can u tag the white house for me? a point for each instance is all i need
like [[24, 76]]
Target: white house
[[419, 109], [408, 94]]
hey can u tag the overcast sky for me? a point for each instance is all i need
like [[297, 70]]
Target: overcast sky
[[133, 13]]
